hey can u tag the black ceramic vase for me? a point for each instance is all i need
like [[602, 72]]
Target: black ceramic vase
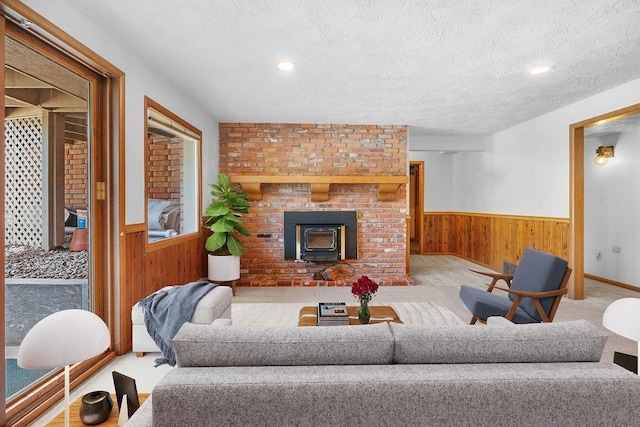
[[95, 407]]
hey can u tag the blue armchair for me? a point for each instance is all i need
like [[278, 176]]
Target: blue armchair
[[534, 292]]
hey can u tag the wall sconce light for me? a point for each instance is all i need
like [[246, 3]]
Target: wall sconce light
[[602, 155]]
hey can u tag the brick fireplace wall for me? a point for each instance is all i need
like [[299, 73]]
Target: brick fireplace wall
[[313, 150]]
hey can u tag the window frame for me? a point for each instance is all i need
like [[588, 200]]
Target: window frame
[[195, 234]]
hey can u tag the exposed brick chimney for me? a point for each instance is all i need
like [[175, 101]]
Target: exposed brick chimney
[[319, 150]]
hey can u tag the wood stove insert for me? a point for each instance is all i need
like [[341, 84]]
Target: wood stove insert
[[323, 236]]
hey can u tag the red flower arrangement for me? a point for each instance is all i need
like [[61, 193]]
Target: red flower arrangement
[[364, 288]]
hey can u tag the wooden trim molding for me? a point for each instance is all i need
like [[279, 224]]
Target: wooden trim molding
[[408, 250], [387, 185], [504, 216], [418, 194], [135, 228], [172, 120], [612, 282], [608, 117], [576, 212]]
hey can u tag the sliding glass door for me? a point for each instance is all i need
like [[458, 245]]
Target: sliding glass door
[[55, 206], [47, 202]]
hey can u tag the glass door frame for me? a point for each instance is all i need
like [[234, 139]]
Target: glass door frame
[[107, 135]]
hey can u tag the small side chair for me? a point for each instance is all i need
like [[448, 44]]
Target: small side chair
[[534, 291]]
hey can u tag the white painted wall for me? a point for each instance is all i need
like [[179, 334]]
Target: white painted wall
[[140, 80], [524, 170], [437, 154], [612, 209], [445, 143], [438, 171]]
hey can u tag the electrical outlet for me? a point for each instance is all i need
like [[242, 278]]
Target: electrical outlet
[[615, 249]]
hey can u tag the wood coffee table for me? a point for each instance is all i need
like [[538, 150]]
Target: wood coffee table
[[379, 314]]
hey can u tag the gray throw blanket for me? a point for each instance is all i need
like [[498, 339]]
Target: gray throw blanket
[[166, 311]]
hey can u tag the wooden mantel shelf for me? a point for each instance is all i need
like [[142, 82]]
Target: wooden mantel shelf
[[387, 185]]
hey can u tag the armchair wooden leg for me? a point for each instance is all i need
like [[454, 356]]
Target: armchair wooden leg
[[139, 353], [474, 319]]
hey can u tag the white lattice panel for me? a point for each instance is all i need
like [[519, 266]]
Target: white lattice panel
[[23, 181]]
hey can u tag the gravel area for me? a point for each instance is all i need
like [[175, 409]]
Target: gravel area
[[26, 262]]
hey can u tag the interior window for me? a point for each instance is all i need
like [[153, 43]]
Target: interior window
[[173, 174]]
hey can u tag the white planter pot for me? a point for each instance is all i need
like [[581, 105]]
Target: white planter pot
[[224, 268]]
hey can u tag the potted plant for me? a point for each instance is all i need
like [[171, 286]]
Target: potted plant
[[225, 219]]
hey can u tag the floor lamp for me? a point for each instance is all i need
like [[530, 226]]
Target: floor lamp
[[623, 318], [62, 339]]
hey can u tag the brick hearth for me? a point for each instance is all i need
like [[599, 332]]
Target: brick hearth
[[319, 150], [283, 280]]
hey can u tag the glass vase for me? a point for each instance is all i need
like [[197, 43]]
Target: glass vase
[[364, 313]]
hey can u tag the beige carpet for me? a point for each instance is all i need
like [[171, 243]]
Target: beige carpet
[[286, 314], [425, 313]]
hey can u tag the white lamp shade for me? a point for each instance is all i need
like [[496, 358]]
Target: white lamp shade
[[63, 338], [623, 317]]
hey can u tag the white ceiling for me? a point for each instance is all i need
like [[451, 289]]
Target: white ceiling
[[613, 128], [444, 67]]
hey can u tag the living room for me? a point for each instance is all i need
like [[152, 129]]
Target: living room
[[510, 162]]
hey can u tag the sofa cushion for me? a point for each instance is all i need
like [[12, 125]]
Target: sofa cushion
[[485, 304], [471, 395], [206, 345], [576, 341]]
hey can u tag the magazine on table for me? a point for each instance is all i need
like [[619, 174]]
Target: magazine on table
[[332, 313]]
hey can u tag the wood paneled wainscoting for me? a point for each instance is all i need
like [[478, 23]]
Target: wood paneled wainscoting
[[490, 239], [145, 272]]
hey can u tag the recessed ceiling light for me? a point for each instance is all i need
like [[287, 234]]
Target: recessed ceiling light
[[540, 69], [286, 66]]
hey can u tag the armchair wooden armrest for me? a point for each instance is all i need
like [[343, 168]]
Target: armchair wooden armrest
[[535, 297], [496, 277], [530, 294]]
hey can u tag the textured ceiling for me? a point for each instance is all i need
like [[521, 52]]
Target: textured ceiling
[[447, 67], [614, 127]]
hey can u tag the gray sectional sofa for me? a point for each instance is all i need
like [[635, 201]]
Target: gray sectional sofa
[[393, 375]]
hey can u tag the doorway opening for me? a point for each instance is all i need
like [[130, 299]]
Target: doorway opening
[[577, 194], [416, 207]]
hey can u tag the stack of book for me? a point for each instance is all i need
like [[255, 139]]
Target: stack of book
[[332, 314]]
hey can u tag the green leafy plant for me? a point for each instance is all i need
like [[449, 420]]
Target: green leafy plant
[[225, 217]]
